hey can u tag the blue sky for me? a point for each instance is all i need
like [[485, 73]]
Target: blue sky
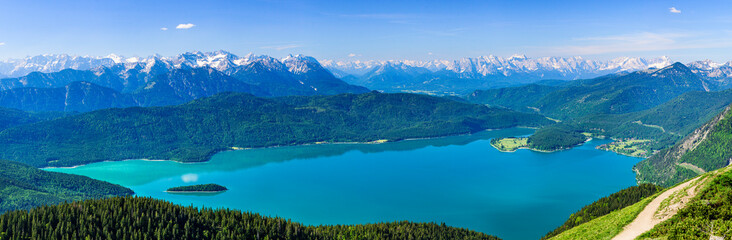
[[378, 29]]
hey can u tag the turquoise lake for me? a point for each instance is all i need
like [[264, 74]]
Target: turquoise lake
[[460, 180]]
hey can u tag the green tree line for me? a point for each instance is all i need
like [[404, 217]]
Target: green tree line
[[147, 218]]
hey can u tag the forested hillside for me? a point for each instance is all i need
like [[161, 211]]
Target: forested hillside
[[146, 218], [664, 124], [611, 94], [521, 98], [24, 187], [13, 117], [196, 130], [707, 148]]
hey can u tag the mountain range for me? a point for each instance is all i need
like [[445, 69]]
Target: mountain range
[[467, 74], [434, 76], [160, 81]]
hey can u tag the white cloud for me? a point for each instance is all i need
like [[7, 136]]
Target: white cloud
[[351, 55], [185, 26], [164, 29], [282, 47], [674, 10], [2, 43], [191, 177], [430, 53]]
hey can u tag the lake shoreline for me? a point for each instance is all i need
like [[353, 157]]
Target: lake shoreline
[[380, 141]]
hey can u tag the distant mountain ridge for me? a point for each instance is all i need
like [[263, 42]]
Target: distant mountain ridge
[[459, 76], [567, 68], [158, 81], [467, 74]]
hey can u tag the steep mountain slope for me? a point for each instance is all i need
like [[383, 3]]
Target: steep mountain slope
[[74, 97], [720, 75], [309, 72], [622, 93], [272, 76], [147, 218], [391, 77], [182, 85], [196, 130], [707, 148], [25, 187]]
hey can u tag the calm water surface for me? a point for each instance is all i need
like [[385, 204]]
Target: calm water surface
[[459, 180]]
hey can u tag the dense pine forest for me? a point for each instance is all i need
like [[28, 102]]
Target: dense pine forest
[[146, 218], [555, 138], [24, 187], [197, 130], [605, 205]]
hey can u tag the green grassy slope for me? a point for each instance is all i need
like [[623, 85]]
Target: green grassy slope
[[605, 227], [708, 214], [146, 218], [196, 130], [24, 187], [606, 205]]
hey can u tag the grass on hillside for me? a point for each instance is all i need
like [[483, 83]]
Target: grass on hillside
[[509, 144], [708, 214], [606, 227], [630, 147]]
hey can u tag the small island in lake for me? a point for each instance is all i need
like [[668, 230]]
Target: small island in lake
[[207, 188]]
